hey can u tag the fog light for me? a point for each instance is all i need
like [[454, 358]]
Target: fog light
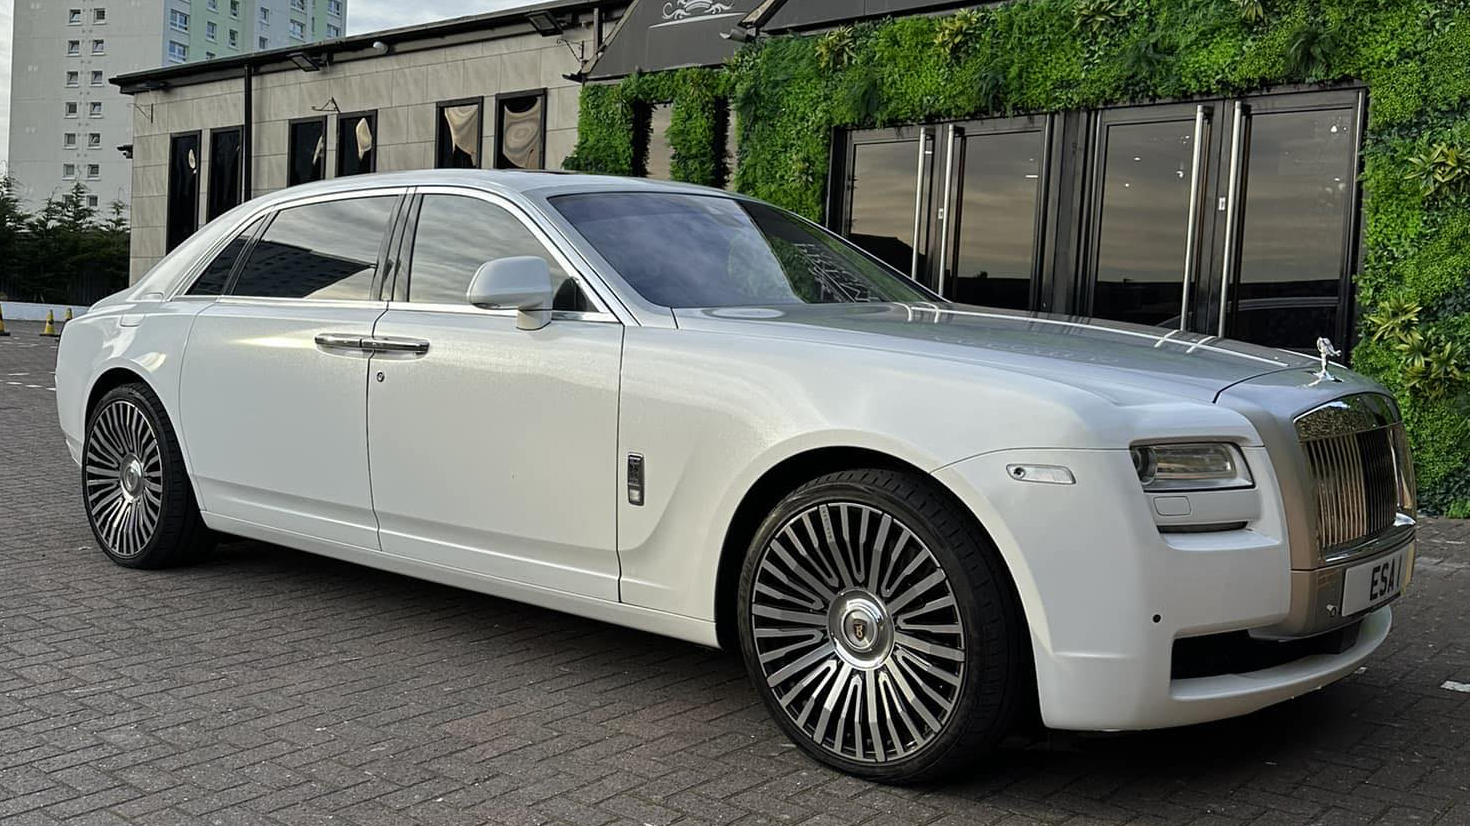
[[1186, 467]]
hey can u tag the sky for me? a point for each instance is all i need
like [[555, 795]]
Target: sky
[[362, 16]]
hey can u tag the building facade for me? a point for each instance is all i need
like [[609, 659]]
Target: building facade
[[492, 91], [67, 121]]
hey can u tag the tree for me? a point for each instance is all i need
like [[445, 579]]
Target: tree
[[63, 252]]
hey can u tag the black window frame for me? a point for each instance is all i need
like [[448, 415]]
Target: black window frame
[[371, 116], [500, 125], [170, 241], [291, 126], [440, 126], [213, 207]]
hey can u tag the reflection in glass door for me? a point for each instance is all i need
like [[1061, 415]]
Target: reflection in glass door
[[997, 178], [1148, 193], [1295, 221], [887, 197]]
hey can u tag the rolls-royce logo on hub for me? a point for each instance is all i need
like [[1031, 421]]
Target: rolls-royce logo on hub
[[681, 9]]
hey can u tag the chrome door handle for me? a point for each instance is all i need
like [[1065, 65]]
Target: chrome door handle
[[338, 341], [388, 344]]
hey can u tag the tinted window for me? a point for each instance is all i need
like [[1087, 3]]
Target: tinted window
[[325, 250], [307, 160], [217, 275], [456, 235], [357, 144], [183, 189], [224, 171], [706, 251]]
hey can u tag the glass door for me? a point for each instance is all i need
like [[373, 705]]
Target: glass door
[[1151, 175], [1290, 216], [886, 210], [992, 211]]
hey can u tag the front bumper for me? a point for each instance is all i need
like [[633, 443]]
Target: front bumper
[[1107, 594]]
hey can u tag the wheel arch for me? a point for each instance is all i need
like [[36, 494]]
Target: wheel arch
[[109, 379], [784, 477]]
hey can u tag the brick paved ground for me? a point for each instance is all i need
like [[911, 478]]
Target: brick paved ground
[[269, 686]]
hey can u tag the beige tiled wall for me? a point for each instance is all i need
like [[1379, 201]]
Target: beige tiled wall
[[402, 88]]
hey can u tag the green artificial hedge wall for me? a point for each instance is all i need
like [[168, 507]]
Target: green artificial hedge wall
[[791, 92]]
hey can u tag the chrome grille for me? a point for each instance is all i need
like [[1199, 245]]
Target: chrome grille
[[1357, 453]]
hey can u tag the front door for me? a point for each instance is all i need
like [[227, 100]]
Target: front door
[[274, 394], [494, 449]]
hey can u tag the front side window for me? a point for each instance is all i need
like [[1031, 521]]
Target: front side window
[[216, 276], [680, 250], [456, 234], [306, 159], [327, 250], [457, 140]]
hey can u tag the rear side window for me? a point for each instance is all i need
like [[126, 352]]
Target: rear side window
[[216, 276], [326, 250], [457, 234]]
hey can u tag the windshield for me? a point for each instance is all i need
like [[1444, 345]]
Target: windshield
[[680, 250]]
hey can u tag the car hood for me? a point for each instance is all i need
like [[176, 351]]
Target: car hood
[[1081, 352]]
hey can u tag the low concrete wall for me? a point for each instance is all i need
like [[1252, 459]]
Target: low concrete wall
[[21, 311]]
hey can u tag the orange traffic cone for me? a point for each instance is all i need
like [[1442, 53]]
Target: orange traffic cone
[[2, 323], [50, 329]]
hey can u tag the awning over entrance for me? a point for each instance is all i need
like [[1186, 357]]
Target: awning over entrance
[[667, 34]]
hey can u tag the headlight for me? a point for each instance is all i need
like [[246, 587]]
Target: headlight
[[1186, 467]]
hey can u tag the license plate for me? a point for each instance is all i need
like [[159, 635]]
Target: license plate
[[1374, 583]]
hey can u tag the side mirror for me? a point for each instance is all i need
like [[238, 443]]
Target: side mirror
[[521, 283]]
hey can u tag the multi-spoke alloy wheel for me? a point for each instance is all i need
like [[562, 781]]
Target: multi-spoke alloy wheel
[[857, 630], [134, 485], [123, 472], [880, 626]]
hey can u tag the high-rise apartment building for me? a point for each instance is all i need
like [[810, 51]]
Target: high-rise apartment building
[[67, 121]]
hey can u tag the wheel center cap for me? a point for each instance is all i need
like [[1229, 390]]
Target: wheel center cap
[[860, 628], [131, 477]]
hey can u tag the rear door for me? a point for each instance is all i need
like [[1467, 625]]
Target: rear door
[[494, 449], [274, 383]]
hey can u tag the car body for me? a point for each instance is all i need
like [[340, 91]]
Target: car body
[[615, 458]]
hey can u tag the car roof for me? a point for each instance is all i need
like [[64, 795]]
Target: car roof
[[503, 181]]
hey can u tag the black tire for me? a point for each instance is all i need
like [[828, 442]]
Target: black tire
[[979, 643], [135, 489]]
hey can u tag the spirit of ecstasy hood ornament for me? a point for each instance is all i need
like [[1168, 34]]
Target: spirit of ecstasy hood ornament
[[1326, 351]]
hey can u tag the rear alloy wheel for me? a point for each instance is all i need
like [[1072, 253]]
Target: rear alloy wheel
[[137, 494], [880, 630]]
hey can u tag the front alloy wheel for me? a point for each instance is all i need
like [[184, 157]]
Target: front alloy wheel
[[879, 628]]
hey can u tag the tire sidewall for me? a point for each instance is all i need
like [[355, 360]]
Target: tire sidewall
[[148, 404], [984, 646]]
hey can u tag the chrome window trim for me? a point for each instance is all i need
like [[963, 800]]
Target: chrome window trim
[[196, 269], [592, 316], [593, 291]]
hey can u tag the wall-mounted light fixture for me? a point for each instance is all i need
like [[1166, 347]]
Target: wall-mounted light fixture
[[305, 62], [544, 22]]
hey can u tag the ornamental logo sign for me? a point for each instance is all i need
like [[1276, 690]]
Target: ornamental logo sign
[[686, 9]]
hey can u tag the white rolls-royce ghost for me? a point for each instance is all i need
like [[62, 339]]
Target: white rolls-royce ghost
[[693, 413]]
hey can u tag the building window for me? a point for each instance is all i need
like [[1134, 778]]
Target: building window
[[69, 171], [224, 171], [178, 20], [99, 16], [92, 201], [211, 31], [235, 8], [212, 5], [265, 43], [458, 139], [94, 110], [177, 52], [357, 143], [97, 79], [73, 47], [99, 47], [520, 131], [94, 171], [183, 189], [69, 140], [306, 158], [298, 30], [265, 16], [234, 39], [334, 7], [334, 31], [74, 17], [299, 5], [210, 55], [73, 79], [71, 108], [94, 140]]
